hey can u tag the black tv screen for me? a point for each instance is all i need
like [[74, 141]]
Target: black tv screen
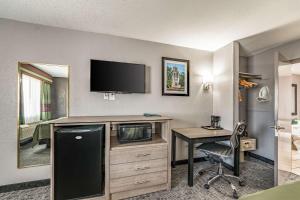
[[108, 76]]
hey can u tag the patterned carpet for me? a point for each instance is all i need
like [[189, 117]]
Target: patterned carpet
[[258, 176]]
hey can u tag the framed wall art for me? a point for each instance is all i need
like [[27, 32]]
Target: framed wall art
[[175, 77]]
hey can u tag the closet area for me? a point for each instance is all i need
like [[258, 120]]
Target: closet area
[[251, 88]]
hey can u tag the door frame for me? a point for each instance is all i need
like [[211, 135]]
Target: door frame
[[279, 60]]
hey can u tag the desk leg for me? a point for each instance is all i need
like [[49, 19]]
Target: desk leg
[[173, 149], [190, 163], [236, 169]]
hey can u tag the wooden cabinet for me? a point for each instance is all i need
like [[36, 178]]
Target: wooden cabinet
[[130, 169], [134, 168], [138, 181], [139, 153]]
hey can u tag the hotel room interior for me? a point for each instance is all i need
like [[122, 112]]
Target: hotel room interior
[[149, 99]]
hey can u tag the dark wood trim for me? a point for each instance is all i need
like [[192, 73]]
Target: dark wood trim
[[34, 76], [36, 70], [24, 185], [261, 158], [163, 76]]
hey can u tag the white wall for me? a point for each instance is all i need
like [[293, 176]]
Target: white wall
[[285, 100], [35, 43], [224, 91]]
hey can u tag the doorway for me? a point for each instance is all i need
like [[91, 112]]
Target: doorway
[[287, 120]]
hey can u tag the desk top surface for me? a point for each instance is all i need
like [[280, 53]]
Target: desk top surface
[[194, 133], [102, 119]]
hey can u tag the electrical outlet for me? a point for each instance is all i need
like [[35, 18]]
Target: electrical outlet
[[112, 96], [106, 96]]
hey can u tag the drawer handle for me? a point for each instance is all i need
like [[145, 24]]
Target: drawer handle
[[143, 154], [141, 168], [142, 182]]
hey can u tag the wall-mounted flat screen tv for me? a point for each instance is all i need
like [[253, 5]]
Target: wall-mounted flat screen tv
[[109, 76]]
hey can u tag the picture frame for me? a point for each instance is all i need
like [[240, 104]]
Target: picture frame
[[175, 77]]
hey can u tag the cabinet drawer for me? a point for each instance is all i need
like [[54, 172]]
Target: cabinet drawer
[[248, 144], [136, 168], [139, 181], [136, 154]]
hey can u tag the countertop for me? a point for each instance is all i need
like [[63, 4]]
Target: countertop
[[103, 119]]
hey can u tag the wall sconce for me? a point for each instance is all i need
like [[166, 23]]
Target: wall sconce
[[206, 82]]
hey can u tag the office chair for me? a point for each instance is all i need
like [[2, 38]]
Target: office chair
[[218, 152]]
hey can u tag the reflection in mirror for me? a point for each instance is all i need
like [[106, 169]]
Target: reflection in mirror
[[288, 130], [43, 96]]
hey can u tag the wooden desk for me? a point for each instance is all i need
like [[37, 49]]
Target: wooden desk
[[199, 135]]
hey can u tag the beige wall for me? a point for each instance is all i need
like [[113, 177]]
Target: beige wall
[[225, 85], [35, 43]]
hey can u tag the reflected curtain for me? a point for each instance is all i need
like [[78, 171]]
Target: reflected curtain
[[31, 92], [45, 101]]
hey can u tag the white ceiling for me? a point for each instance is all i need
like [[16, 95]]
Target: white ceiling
[[53, 70], [201, 24], [288, 70]]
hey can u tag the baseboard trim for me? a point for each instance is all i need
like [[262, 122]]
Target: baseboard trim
[[261, 158], [24, 185]]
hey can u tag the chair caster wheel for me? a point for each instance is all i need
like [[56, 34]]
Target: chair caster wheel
[[206, 186], [242, 183], [200, 173], [235, 195]]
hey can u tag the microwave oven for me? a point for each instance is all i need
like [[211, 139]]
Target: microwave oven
[[140, 132]]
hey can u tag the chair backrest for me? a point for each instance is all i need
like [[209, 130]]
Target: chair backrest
[[239, 129]]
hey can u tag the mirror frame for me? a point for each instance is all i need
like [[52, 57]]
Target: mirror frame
[[18, 112]]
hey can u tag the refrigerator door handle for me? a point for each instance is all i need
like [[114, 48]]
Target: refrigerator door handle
[[78, 137]]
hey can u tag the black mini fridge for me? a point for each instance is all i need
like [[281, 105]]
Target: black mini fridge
[[79, 162]]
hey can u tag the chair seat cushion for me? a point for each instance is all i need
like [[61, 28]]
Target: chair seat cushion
[[215, 148]]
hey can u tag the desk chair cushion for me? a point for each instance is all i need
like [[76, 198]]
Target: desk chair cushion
[[215, 149]]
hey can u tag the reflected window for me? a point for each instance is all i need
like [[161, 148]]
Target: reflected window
[[30, 99]]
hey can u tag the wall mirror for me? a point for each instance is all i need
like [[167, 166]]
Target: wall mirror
[[43, 95]]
